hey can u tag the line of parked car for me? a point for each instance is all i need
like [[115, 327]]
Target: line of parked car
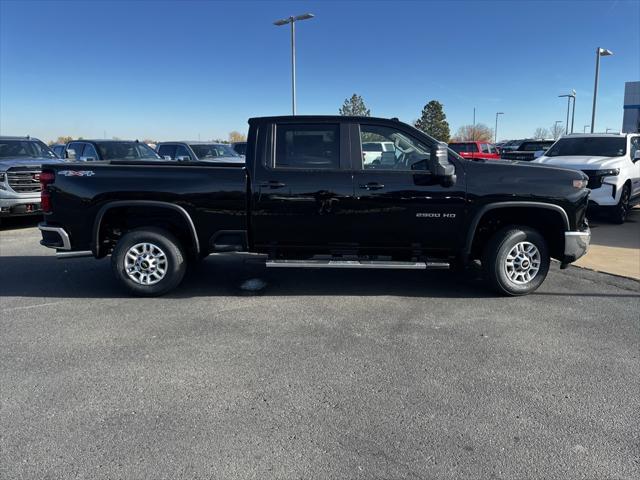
[[611, 161]]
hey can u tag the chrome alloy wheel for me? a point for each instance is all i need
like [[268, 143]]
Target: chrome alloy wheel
[[145, 263], [522, 263]]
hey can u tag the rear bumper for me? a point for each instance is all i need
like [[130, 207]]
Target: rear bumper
[[54, 237], [576, 245]]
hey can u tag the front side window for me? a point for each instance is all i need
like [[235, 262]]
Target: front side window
[[308, 146], [213, 150], [167, 151], [89, 151], [485, 148], [406, 153], [182, 152], [74, 150], [24, 149], [591, 146], [635, 146]]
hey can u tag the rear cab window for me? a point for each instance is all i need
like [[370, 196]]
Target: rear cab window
[[307, 146]]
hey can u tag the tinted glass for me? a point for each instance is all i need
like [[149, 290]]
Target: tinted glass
[[181, 151], [534, 146], [372, 147], [74, 150], [167, 151], [595, 146], [241, 148], [59, 150], [89, 151], [125, 151], [24, 149], [463, 147], [213, 150], [407, 154], [308, 146]]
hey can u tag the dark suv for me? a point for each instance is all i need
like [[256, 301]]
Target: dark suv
[[199, 152], [92, 150]]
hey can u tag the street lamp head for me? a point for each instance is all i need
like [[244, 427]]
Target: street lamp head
[[285, 21], [304, 16], [603, 52]]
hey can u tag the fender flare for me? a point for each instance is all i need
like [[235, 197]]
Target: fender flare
[[493, 206], [143, 203]]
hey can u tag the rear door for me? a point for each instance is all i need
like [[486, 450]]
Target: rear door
[[302, 188], [399, 206]]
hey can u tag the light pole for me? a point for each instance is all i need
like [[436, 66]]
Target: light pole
[[495, 132], [292, 20], [555, 129], [600, 52], [570, 96]]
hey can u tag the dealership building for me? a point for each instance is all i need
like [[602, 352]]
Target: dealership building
[[631, 118]]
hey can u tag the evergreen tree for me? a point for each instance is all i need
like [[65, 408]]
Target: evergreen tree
[[354, 106], [433, 121]]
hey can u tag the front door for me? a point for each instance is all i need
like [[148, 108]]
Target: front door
[[302, 188], [400, 206]]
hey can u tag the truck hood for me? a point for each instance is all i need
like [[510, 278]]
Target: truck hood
[[581, 162], [7, 163]]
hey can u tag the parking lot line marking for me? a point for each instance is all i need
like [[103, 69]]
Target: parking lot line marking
[[30, 306]]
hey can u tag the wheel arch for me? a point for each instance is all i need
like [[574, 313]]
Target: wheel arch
[[510, 211], [177, 210]]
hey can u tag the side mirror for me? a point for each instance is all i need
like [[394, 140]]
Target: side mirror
[[183, 158], [71, 154], [636, 156], [440, 166], [167, 157], [87, 159]]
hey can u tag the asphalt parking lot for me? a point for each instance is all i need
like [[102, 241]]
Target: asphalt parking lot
[[321, 374]]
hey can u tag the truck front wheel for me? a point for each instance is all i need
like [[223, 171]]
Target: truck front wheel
[[148, 261], [516, 260]]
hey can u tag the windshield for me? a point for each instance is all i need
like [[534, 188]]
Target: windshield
[[535, 146], [125, 151], [24, 149], [463, 147], [213, 150], [592, 146]]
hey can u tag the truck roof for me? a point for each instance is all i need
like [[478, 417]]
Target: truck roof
[[320, 118], [27, 137]]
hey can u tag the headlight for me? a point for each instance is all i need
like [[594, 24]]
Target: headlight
[[3, 177], [612, 172], [582, 183]]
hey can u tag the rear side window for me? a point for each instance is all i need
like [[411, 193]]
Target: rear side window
[[167, 151], [308, 146], [463, 147]]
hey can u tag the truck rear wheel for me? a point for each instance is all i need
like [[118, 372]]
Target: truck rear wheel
[[148, 261], [618, 214], [516, 260]]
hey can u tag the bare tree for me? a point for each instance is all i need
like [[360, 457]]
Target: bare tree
[[556, 131], [469, 133], [235, 136], [541, 133]]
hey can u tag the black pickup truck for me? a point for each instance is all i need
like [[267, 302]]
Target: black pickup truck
[[306, 199]]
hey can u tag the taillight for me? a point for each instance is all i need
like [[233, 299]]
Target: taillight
[[46, 178]]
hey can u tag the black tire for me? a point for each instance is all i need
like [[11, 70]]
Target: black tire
[[494, 261], [174, 261], [619, 213]]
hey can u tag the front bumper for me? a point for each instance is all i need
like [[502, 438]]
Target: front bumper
[[576, 245], [19, 205]]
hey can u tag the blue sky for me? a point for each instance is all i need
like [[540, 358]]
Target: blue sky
[[184, 69]]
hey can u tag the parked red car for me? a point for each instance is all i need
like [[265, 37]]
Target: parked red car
[[475, 150]]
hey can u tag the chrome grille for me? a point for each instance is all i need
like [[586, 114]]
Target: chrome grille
[[24, 179]]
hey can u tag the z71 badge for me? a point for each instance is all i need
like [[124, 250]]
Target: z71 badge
[[76, 173]]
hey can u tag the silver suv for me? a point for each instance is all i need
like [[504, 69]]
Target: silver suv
[[21, 160]]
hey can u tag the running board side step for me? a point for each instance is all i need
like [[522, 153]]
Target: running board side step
[[356, 264]]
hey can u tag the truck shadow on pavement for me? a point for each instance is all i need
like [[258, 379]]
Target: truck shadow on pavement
[[48, 277]]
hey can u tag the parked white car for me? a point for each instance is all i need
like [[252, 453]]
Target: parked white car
[[612, 163], [372, 151]]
